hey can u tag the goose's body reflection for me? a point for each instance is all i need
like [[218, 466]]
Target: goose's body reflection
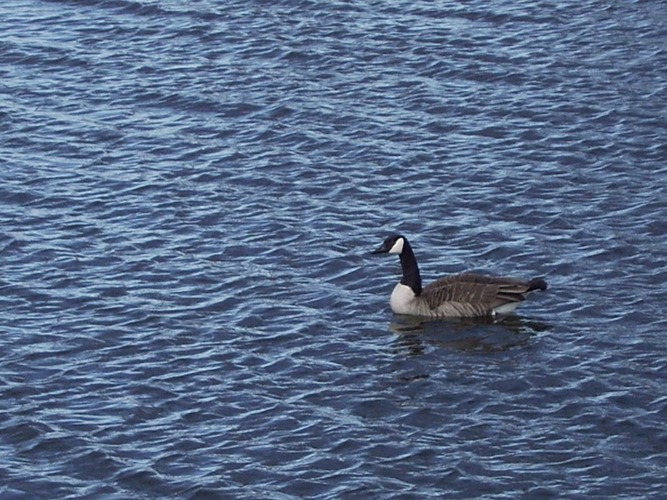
[[468, 335]]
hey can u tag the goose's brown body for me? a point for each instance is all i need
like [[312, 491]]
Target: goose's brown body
[[468, 295]]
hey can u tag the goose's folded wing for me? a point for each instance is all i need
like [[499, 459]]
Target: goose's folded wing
[[457, 293], [472, 294]]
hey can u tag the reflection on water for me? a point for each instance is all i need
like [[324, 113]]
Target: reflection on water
[[487, 334]]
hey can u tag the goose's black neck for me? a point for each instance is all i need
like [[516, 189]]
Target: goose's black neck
[[411, 276]]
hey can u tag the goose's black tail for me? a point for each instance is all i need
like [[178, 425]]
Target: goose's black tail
[[537, 284]]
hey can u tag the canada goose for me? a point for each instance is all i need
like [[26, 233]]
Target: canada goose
[[457, 296]]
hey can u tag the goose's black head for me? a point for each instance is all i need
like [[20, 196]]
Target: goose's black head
[[392, 244], [398, 244]]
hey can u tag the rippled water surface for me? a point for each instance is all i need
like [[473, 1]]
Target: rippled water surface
[[189, 192]]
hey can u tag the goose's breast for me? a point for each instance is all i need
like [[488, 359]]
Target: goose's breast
[[402, 299]]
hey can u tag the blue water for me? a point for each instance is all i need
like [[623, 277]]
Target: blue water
[[189, 192]]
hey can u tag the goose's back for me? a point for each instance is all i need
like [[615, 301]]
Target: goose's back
[[469, 294]]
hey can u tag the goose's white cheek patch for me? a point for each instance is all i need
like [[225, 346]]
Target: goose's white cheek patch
[[398, 246]]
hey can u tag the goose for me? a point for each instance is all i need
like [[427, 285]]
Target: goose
[[464, 295]]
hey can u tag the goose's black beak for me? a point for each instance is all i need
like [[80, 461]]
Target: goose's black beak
[[382, 249]]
